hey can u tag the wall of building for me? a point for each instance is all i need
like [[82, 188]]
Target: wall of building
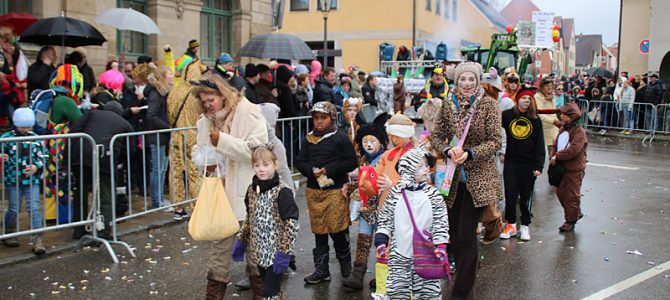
[[658, 33], [634, 28]]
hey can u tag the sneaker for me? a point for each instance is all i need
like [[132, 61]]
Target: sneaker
[[602, 131], [179, 214], [38, 246], [524, 233], [11, 242], [169, 209], [628, 132], [510, 231]]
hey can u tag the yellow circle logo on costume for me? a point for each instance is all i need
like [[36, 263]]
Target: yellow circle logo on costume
[[521, 128]]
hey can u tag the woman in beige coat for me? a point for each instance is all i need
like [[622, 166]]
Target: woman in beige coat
[[230, 123], [544, 100]]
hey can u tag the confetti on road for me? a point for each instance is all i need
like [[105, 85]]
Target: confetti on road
[[636, 252]]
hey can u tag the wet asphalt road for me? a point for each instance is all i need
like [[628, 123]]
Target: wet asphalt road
[[626, 209]]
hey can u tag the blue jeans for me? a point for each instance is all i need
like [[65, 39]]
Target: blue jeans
[[159, 165], [365, 228], [629, 117], [32, 196], [650, 118]]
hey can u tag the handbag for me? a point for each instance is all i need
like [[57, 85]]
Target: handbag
[[426, 264], [213, 218], [444, 171], [555, 173]]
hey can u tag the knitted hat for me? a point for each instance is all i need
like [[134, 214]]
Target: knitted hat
[[400, 125], [225, 58], [325, 107], [301, 69], [193, 44], [466, 67], [250, 70], [525, 91], [24, 117]]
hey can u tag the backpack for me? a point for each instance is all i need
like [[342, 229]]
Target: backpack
[[41, 102]]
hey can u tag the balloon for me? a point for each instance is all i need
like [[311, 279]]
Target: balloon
[[555, 33], [509, 29], [556, 27], [556, 39]]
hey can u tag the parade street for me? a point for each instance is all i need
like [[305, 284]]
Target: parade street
[[621, 241]]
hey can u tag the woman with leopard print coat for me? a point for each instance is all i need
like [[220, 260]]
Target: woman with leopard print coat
[[476, 183]]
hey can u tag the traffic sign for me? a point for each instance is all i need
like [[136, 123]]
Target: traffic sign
[[644, 46]]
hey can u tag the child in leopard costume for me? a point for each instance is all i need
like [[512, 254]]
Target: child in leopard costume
[[271, 226]]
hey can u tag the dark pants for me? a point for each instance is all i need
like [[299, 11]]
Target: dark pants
[[463, 219], [81, 201], [340, 239], [519, 184], [271, 281], [569, 194]]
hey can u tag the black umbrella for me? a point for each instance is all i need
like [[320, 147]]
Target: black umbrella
[[600, 71], [277, 46], [62, 31]]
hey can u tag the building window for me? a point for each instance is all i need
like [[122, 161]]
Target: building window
[[429, 4], [454, 10], [438, 3], [333, 5], [215, 29], [132, 43], [20, 6], [299, 5], [446, 8]]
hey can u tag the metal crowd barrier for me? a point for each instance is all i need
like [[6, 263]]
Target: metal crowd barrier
[[64, 168], [122, 182], [611, 115], [292, 132]]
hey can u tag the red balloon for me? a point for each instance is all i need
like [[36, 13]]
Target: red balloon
[[509, 29], [556, 39], [556, 27]]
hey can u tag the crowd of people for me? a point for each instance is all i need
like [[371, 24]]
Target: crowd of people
[[495, 132]]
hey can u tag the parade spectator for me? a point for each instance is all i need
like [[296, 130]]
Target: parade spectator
[[326, 157], [267, 91], [112, 65], [22, 165], [12, 93], [370, 90], [559, 95], [41, 70], [323, 90], [144, 59], [302, 94], [230, 123], [270, 228], [544, 99], [404, 54], [224, 67], [570, 151], [413, 205], [437, 87], [156, 93], [627, 99], [78, 57], [101, 125], [476, 183], [251, 77], [315, 71], [128, 73], [399, 94], [356, 82], [512, 85], [342, 91], [288, 105], [524, 161], [653, 94]]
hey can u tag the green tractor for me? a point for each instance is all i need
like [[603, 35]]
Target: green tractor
[[503, 53]]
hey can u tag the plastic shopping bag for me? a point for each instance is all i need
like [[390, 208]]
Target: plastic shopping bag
[[213, 218]]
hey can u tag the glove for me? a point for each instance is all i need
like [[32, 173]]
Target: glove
[[238, 250], [381, 254], [281, 262], [441, 252]]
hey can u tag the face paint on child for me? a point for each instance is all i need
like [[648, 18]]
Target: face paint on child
[[422, 171], [371, 144]]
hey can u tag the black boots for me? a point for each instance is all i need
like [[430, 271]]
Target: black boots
[[343, 254], [360, 263], [321, 272]]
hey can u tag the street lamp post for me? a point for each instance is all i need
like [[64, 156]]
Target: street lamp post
[[325, 9]]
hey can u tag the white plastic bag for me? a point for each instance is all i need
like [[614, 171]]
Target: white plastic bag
[[22, 67], [203, 156]]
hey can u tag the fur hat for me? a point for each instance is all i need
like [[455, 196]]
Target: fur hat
[[400, 125], [466, 67], [374, 128], [24, 117], [430, 111], [325, 107], [492, 78], [358, 102]]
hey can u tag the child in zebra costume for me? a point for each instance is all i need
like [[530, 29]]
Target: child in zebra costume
[[394, 223], [271, 226]]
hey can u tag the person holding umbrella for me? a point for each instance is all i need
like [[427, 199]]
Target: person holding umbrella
[[39, 72]]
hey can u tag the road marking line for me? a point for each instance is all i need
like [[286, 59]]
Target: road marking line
[[630, 282], [612, 166]]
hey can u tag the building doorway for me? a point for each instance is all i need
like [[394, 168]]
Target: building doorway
[[664, 70]]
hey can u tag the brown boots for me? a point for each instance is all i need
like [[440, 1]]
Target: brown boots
[[355, 281], [216, 290], [256, 287]]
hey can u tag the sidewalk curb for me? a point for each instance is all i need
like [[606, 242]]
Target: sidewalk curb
[[634, 136], [72, 245]]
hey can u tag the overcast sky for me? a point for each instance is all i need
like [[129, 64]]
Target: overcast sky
[[591, 16]]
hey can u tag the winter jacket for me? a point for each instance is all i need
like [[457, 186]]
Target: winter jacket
[[550, 130], [654, 93], [64, 109], [264, 89], [340, 95], [323, 91], [102, 125], [19, 156], [369, 94], [574, 156], [628, 95], [525, 142], [251, 93], [333, 151], [156, 118], [38, 76], [302, 99], [235, 81], [270, 113], [128, 100], [288, 105], [483, 140], [89, 77], [247, 128]]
